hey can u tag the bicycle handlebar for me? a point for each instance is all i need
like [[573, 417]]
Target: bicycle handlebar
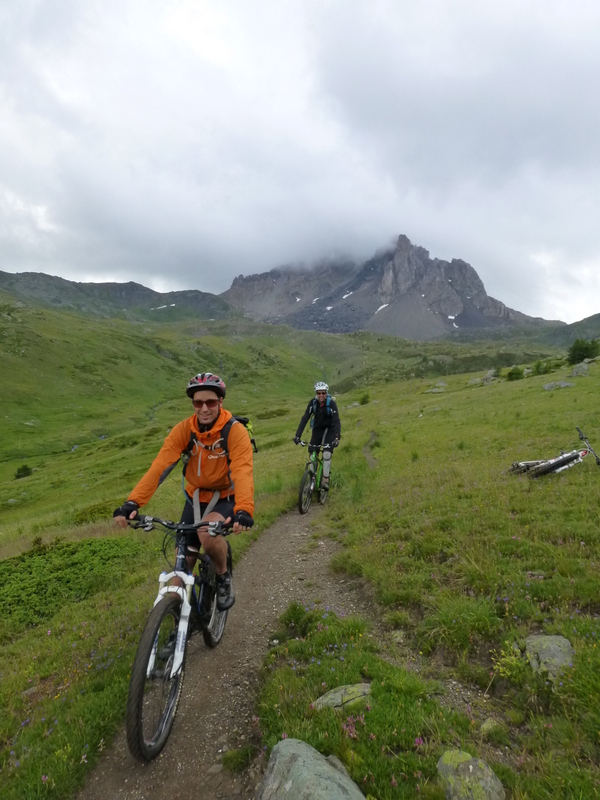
[[215, 527], [316, 446], [584, 438]]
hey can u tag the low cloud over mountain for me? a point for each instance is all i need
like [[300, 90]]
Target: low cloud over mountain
[[401, 291]]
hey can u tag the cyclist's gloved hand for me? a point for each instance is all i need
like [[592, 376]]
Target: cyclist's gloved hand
[[243, 518], [335, 442], [126, 509], [297, 440]]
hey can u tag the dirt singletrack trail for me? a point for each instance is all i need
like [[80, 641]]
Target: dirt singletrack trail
[[215, 713]]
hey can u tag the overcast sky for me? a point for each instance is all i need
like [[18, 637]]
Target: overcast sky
[[178, 143]]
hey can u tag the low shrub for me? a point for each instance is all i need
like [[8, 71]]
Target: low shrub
[[514, 374]]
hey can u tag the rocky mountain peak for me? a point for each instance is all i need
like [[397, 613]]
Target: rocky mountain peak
[[400, 291]]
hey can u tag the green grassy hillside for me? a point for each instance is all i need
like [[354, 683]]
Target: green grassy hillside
[[465, 559], [468, 560], [88, 401]]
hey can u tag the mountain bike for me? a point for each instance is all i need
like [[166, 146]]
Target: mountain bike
[[178, 613], [312, 480], [557, 464]]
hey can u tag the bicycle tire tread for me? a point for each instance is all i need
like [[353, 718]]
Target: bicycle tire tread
[[304, 496], [137, 681]]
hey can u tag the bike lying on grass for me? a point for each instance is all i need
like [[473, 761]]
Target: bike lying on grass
[[564, 461], [312, 480], [179, 612]]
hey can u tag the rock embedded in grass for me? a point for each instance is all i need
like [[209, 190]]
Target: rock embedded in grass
[[549, 654], [557, 385], [343, 698], [296, 770], [492, 730], [463, 776]]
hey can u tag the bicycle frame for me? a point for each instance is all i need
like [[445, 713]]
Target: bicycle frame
[[557, 464], [316, 457], [186, 592], [158, 669], [312, 480]]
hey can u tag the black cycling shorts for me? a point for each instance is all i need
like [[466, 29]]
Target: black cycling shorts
[[224, 507], [317, 437]]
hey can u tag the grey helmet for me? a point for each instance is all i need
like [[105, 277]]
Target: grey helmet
[[320, 386]]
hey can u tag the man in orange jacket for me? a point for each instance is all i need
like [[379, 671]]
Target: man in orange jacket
[[219, 481]]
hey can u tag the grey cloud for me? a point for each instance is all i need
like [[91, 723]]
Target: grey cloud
[[180, 144]]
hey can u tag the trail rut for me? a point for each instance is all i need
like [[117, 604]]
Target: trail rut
[[286, 563]]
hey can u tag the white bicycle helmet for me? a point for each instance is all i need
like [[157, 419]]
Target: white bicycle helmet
[[320, 386]]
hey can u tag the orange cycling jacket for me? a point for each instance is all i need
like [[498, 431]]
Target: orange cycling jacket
[[207, 469]]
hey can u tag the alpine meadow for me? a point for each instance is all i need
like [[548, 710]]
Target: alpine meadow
[[464, 560]]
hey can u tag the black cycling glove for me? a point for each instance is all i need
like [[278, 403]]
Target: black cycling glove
[[126, 509], [335, 442], [244, 519], [297, 440]]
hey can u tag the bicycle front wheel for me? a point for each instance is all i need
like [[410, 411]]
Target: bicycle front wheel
[[153, 695], [306, 490], [552, 466]]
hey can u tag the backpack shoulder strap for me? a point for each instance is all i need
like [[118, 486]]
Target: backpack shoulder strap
[[225, 436], [186, 455]]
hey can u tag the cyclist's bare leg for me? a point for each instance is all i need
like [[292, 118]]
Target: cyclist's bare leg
[[214, 546]]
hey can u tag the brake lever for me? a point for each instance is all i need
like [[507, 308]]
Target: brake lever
[[142, 521], [217, 528]]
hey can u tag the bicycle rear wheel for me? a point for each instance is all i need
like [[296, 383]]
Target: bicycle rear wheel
[[306, 490], [214, 627], [556, 463], [153, 694]]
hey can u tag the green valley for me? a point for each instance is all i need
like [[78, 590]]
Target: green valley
[[464, 559]]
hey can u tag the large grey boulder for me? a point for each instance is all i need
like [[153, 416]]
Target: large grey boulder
[[580, 370], [343, 698], [549, 654], [467, 778], [296, 771]]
